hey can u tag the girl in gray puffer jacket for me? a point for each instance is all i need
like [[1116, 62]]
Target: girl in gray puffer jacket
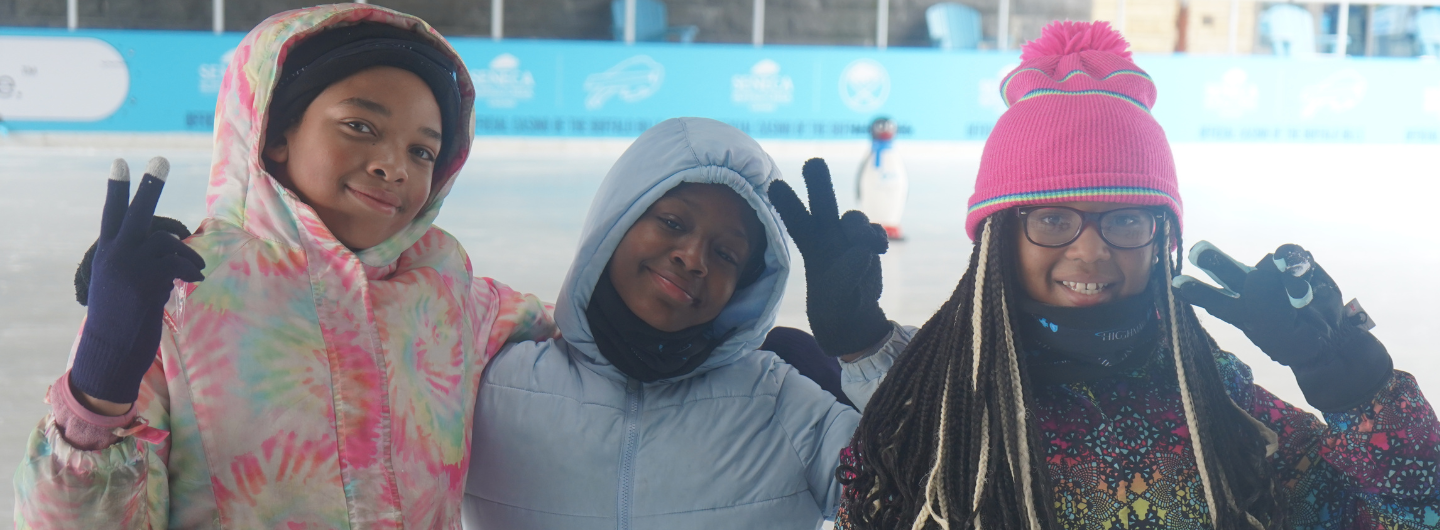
[[656, 409]]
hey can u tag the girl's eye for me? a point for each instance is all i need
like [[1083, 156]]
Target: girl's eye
[[671, 224], [422, 153], [1055, 222], [728, 257], [1124, 220], [359, 127]]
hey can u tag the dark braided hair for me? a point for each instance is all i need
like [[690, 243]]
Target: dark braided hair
[[947, 442]]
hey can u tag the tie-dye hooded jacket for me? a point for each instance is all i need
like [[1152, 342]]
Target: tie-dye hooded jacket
[[302, 385]]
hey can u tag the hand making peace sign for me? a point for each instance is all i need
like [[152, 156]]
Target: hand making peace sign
[[130, 282], [842, 263]]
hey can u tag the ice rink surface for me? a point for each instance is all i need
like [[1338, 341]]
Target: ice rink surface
[[1368, 213]]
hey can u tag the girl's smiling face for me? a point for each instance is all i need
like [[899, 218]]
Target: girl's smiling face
[[363, 154], [678, 265], [1086, 272]]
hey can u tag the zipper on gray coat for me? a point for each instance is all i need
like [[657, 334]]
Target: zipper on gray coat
[[634, 394]]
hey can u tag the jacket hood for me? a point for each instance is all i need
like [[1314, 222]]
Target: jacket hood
[[673, 152], [243, 193]]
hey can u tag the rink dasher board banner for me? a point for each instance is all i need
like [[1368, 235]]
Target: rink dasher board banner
[[167, 81]]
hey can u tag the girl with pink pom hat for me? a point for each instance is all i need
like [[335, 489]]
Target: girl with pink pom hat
[[1067, 383]]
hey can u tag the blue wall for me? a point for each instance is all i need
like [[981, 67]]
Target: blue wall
[[587, 88]]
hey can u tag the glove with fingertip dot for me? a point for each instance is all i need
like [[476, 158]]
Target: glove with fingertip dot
[[1291, 309], [131, 276]]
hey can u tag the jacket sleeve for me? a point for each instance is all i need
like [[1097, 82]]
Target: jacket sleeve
[[1375, 466], [117, 481], [510, 316], [819, 428], [860, 378]]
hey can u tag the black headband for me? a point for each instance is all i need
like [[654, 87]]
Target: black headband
[[330, 56]]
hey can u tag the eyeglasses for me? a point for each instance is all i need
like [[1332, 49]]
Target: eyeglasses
[[1058, 226]]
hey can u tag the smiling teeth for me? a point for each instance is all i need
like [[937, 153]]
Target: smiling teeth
[[1085, 288]]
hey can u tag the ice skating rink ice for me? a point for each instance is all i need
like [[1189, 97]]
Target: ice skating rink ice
[[1369, 214]]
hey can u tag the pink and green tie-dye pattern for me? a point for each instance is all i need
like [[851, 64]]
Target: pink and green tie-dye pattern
[[303, 385]]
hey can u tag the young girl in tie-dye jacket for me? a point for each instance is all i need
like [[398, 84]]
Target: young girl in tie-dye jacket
[[324, 372]]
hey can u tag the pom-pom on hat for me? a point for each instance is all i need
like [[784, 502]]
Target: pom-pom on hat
[[1078, 128]]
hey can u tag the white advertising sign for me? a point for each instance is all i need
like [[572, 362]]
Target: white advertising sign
[[60, 79]]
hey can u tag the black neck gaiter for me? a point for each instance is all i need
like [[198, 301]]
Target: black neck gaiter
[[1085, 343], [638, 349]]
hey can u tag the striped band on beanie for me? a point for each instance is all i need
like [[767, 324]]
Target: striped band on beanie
[[1078, 128], [1096, 194]]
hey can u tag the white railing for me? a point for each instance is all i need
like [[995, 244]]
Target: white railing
[[882, 20], [497, 19], [757, 24]]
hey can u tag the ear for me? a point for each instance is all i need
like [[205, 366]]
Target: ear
[[278, 150]]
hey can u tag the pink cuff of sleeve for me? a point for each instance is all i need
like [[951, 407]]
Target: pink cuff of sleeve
[[82, 427]]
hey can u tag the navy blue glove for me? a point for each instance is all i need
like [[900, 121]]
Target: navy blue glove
[[842, 263], [130, 282], [82, 271], [1292, 310]]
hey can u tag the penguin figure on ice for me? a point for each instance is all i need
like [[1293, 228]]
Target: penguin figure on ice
[[882, 185]]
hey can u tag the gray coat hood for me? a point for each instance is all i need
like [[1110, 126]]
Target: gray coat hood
[[673, 152]]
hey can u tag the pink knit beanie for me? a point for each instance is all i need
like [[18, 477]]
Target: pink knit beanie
[[1078, 128]]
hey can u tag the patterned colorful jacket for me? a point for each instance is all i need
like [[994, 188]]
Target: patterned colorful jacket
[[302, 385], [1120, 457]]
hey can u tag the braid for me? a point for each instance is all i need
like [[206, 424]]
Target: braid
[[948, 441], [942, 445], [1192, 419], [1241, 489]]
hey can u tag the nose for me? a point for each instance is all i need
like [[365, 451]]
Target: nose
[[387, 166], [689, 254], [1089, 247]]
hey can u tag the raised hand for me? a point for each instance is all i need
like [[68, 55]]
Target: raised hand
[[1293, 311], [131, 277], [82, 271], [842, 263]]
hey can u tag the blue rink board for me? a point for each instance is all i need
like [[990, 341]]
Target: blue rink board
[[606, 89]]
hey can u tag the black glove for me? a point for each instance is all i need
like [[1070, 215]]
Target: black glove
[[1291, 309], [842, 263], [131, 278]]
